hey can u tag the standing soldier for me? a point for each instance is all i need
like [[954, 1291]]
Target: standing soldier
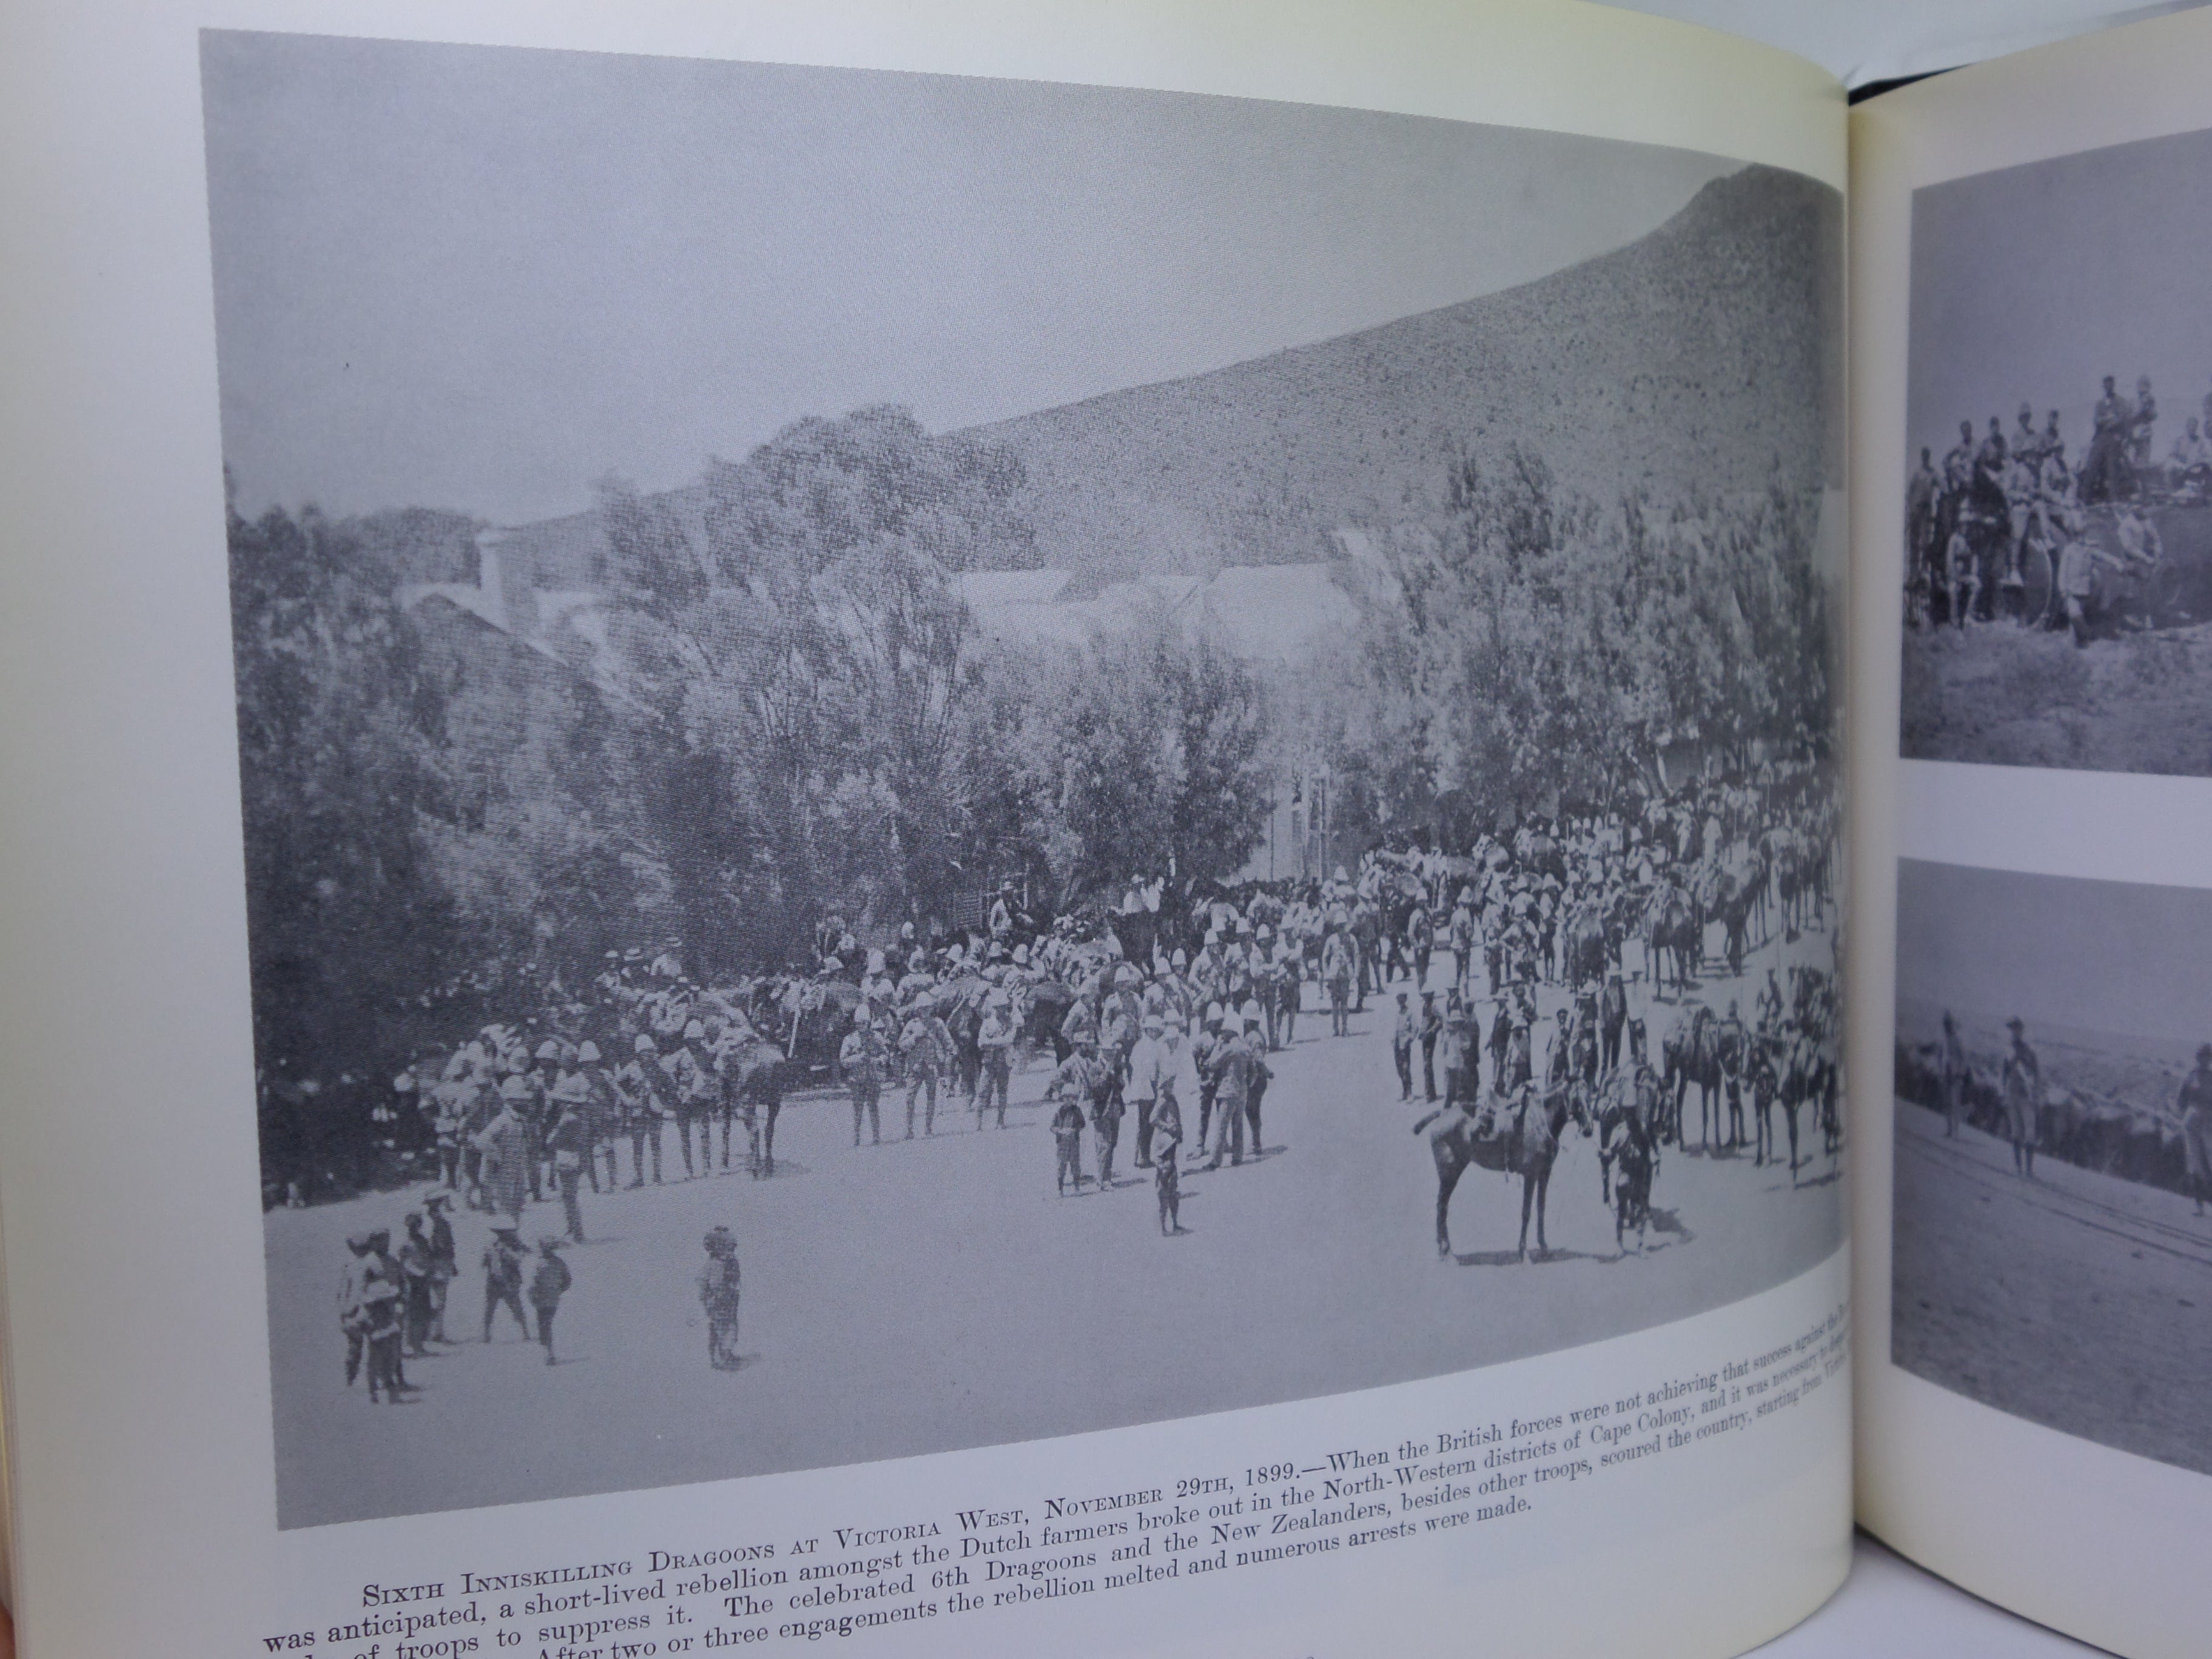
[[719, 1283], [1557, 1066], [600, 1111], [1234, 1064], [1106, 1110], [1462, 932], [1258, 1075], [1290, 988], [860, 1058], [449, 1101], [1919, 537], [572, 1093], [483, 1104], [383, 1304], [696, 1089], [925, 1050], [1339, 963], [639, 1102], [1431, 1027], [1403, 1035], [505, 1144], [2195, 1104], [570, 1143], [448, 1256], [994, 1042], [418, 1267], [2103, 472], [1205, 1056], [2023, 1097], [1367, 941], [1730, 1044], [540, 1111], [1146, 1061], [1954, 1076], [1421, 936], [1613, 1017], [353, 1319], [1458, 1051]]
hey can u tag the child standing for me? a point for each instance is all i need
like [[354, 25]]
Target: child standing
[[718, 1283], [549, 1281]]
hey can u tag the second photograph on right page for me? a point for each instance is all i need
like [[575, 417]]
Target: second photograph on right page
[[2059, 507], [2054, 1128]]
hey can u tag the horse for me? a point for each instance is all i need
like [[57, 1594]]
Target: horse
[[1048, 1006], [756, 1074], [1523, 1139], [1584, 949], [1675, 935], [1690, 1054]]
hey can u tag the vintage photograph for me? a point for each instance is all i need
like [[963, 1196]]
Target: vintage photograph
[[2057, 515], [2052, 1254], [929, 762]]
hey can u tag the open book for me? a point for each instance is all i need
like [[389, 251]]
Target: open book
[[1032, 829]]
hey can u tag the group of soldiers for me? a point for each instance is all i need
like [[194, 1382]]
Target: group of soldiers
[[1175, 1048], [2002, 507]]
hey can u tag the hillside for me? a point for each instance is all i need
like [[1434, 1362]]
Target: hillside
[[1688, 360]]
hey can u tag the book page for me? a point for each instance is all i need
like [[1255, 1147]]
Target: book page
[[2030, 473], [1015, 830]]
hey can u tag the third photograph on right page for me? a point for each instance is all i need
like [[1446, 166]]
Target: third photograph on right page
[[2059, 507], [2054, 1151]]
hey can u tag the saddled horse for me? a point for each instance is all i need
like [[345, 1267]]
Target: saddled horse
[[1674, 937], [1046, 1007], [1518, 1135], [1584, 951], [755, 1076], [1691, 1053]]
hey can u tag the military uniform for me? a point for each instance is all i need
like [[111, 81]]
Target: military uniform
[[860, 1058]]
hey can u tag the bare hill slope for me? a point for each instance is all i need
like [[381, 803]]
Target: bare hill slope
[[1692, 359]]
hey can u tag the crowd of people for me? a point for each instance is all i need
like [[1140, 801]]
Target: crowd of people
[[2004, 513], [1160, 1018]]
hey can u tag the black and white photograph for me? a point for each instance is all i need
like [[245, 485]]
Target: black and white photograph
[[2051, 1249], [2058, 516], [930, 762]]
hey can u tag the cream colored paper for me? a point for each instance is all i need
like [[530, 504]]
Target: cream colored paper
[[2095, 1542], [138, 1400]]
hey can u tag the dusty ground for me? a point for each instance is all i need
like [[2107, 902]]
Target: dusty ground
[[2080, 1302], [933, 1294], [2011, 696]]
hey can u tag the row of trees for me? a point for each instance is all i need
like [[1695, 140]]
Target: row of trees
[[795, 715], [1529, 647]]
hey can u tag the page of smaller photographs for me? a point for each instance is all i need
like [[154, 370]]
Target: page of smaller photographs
[[2058, 510], [2050, 1234], [931, 762]]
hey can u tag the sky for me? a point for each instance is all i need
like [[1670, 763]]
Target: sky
[[484, 277], [2037, 282], [2130, 959]]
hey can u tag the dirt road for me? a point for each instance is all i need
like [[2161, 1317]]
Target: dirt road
[[931, 1294], [2078, 1301]]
